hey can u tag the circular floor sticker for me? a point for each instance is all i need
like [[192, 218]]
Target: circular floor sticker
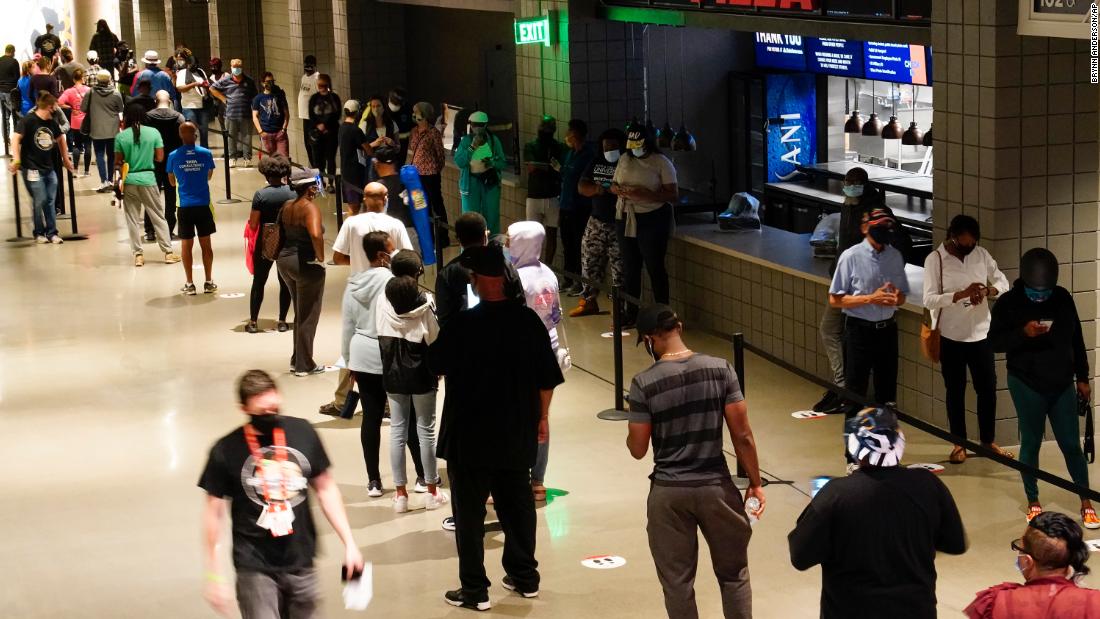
[[1093, 544], [611, 334], [231, 295], [808, 415], [935, 468], [604, 562]]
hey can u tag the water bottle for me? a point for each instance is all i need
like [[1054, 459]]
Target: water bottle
[[751, 507]]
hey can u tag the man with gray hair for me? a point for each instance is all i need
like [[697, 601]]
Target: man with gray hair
[[236, 90], [166, 120]]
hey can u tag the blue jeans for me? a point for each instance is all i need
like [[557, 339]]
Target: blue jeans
[[43, 194], [423, 405], [198, 116], [104, 157]]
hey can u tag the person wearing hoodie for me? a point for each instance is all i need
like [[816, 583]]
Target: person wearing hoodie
[[360, 349], [540, 289], [406, 327], [103, 107], [1037, 325], [480, 160]]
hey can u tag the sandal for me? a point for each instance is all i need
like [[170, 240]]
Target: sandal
[[1089, 519], [1036, 509], [958, 455], [1001, 452]]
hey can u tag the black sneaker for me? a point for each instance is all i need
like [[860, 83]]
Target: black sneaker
[[826, 402], [251, 327], [283, 327], [510, 585], [449, 523], [461, 599]]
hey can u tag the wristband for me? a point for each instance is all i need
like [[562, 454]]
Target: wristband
[[214, 577]]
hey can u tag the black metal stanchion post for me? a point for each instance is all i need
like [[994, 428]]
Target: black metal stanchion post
[[229, 199], [337, 196], [619, 412], [18, 215], [75, 236], [739, 369]]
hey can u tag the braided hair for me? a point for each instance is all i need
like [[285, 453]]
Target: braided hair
[[134, 116]]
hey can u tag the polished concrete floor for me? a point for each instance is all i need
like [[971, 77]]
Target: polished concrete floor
[[113, 386]]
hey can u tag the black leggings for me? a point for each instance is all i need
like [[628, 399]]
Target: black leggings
[[324, 154], [260, 270], [433, 188], [372, 396], [647, 248]]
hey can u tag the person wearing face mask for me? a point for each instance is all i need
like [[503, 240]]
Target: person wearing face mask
[[691, 487], [1051, 556], [352, 146], [261, 474], [600, 247], [159, 79], [645, 183], [378, 127], [236, 91], [876, 532], [324, 117], [192, 85], [480, 160], [959, 277], [397, 102], [869, 286], [307, 87], [301, 264], [544, 156], [270, 117], [215, 108], [348, 247], [1037, 326], [425, 151]]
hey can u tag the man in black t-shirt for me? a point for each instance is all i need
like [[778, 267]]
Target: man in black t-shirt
[[501, 373], [264, 470], [600, 246], [33, 144], [875, 533], [10, 72], [47, 44], [544, 156], [353, 157]]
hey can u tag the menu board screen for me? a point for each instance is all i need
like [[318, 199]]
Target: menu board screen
[[835, 56], [780, 51], [860, 8], [895, 62]]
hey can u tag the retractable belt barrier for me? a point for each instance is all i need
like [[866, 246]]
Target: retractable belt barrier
[[74, 235]]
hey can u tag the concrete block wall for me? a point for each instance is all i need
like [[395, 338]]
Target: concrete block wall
[[543, 82], [150, 30], [376, 41], [239, 28], [189, 25], [605, 63], [126, 21]]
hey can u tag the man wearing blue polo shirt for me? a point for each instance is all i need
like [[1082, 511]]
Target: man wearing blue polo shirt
[[869, 285], [189, 170]]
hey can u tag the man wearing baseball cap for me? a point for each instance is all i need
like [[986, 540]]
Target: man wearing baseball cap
[[876, 532], [869, 286], [681, 403], [501, 373]]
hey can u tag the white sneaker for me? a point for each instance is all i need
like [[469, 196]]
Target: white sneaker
[[421, 487], [56, 240], [437, 500], [374, 489], [41, 240], [247, 163], [233, 163], [401, 504]]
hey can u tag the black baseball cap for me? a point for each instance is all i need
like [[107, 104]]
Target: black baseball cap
[[653, 317], [487, 260]]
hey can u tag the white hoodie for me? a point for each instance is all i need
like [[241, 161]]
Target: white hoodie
[[540, 285]]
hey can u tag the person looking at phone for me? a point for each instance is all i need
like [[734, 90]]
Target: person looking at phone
[[958, 277], [261, 474], [1036, 324], [869, 286]]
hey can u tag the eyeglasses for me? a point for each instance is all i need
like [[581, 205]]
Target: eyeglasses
[[1017, 545]]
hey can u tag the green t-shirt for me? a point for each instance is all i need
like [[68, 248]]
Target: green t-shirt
[[140, 155]]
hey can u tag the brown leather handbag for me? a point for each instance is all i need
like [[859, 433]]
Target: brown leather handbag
[[273, 238], [929, 327]]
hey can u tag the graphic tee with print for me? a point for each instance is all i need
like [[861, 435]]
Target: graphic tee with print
[[191, 165], [38, 142], [232, 473]]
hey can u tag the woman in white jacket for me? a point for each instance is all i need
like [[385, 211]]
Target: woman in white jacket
[[406, 325]]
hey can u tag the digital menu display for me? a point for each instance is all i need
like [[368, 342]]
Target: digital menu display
[[895, 62], [780, 51], [860, 8], [834, 56]]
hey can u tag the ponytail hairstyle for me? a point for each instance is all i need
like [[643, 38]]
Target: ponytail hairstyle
[[135, 117], [1055, 541]]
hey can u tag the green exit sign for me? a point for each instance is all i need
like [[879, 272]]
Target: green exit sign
[[533, 30]]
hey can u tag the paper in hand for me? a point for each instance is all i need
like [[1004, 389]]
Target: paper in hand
[[482, 152], [358, 592]]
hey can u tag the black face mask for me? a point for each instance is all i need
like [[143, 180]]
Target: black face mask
[[964, 250], [883, 235], [264, 423]]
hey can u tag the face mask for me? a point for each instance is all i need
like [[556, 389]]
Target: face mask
[[649, 349], [308, 68], [638, 152], [964, 250], [1037, 296], [269, 86], [883, 235], [611, 156], [236, 70], [545, 134], [853, 191], [481, 130], [264, 423], [394, 107]]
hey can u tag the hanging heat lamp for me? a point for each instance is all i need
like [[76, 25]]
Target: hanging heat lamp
[[873, 127], [913, 136], [683, 140], [664, 137], [927, 141], [855, 121], [892, 130]]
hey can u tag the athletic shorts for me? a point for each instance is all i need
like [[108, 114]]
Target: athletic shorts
[[352, 194], [195, 221], [543, 210]]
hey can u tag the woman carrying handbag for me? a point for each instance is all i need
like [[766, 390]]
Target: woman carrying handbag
[[960, 279]]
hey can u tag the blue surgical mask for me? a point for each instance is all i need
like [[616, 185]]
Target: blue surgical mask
[[1019, 567], [638, 152], [236, 70], [853, 191], [611, 155], [1037, 296]]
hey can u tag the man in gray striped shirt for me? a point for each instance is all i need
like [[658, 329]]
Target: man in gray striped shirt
[[681, 402]]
